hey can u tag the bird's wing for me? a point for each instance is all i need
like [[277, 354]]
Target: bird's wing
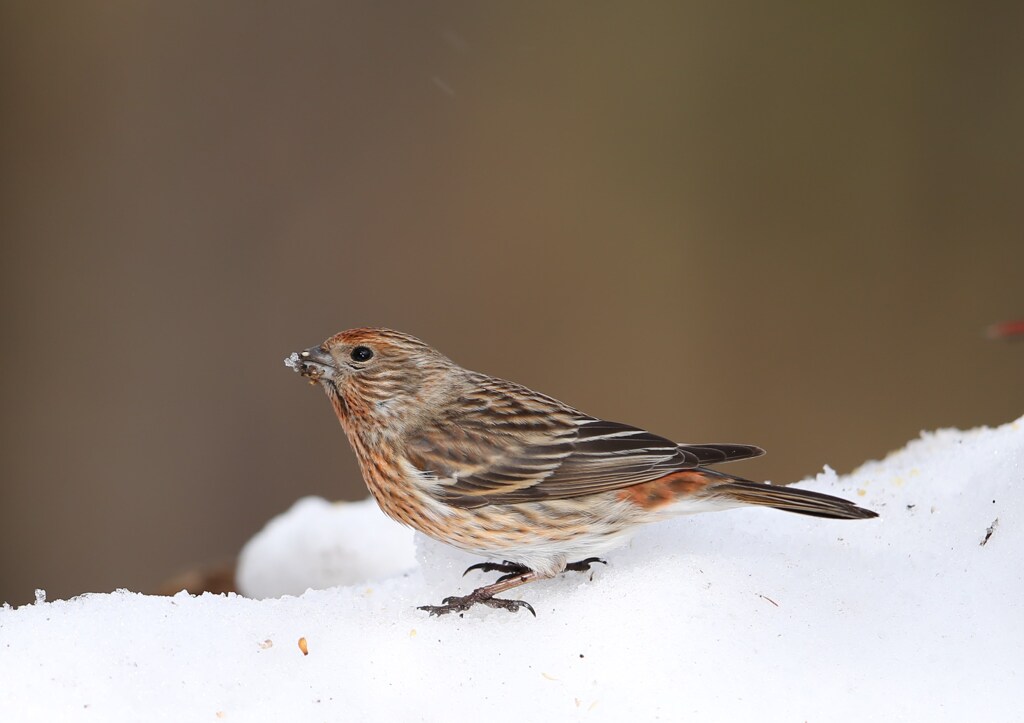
[[506, 444]]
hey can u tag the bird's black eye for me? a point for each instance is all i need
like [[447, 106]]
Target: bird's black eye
[[362, 353]]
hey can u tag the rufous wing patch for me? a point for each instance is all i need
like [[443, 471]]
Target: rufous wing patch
[[665, 490]]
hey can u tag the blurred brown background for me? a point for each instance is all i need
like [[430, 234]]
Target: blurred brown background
[[786, 224]]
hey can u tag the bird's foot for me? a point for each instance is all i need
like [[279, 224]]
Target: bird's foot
[[511, 569], [477, 597], [514, 568], [583, 565]]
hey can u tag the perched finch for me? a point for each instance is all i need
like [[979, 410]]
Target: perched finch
[[505, 472]]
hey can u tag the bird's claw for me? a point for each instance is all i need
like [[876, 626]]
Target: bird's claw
[[512, 606], [583, 565]]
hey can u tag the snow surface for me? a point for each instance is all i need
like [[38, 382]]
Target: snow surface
[[740, 615]]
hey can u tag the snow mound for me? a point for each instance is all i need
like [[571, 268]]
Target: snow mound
[[740, 615], [319, 544]]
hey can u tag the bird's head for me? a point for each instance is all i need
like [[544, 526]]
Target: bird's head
[[377, 375]]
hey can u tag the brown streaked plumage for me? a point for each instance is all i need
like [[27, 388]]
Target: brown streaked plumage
[[502, 471]]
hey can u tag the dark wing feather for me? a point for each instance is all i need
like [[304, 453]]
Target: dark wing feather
[[718, 453], [505, 444]]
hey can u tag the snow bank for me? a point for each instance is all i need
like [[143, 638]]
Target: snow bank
[[740, 615]]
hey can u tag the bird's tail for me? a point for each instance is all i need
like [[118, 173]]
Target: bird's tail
[[790, 499]]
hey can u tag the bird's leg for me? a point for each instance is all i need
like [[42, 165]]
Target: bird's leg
[[485, 596], [515, 575], [583, 565]]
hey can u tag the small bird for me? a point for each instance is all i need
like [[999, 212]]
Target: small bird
[[507, 473]]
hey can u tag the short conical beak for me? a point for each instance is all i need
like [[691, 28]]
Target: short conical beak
[[314, 363]]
